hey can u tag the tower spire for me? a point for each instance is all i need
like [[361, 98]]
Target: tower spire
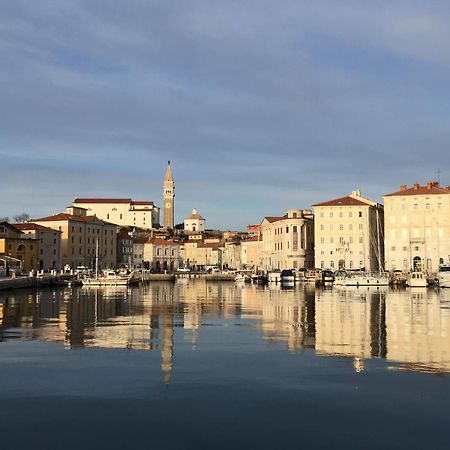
[[168, 198]]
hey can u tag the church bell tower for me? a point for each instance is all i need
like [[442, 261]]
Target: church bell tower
[[168, 199]]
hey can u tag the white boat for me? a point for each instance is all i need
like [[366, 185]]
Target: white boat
[[106, 278], [242, 278], [313, 276], [287, 276], [443, 276], [343, 278], [275, 277], [417, 279]]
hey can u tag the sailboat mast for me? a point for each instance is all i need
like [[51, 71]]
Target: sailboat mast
[[96, 258], [380, 265]]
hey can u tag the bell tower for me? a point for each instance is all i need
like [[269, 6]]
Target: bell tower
[[168, 199]]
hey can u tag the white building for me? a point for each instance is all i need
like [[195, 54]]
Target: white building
[[161, 255], [288, 241], [122, 211], [194, 222], [417, 228], [348, 233]]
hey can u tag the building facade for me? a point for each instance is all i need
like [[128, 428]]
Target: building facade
[[80, 235], [48, 243], [252, 253], [161, 255], [194, 222], [198, 255], [169, 199], [16, 250], [121, 211], [125, 250], [288, 241], [417, 228], [349, 234]]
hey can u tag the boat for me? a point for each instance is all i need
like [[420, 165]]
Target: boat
[[443, 276], [242, 278], [106, 278], [343, 278], [327, 276], [417, 279], [313, 276], [259, 279], [274, 277], [287, 276]]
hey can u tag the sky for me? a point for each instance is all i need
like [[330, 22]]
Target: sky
[[261, 106]]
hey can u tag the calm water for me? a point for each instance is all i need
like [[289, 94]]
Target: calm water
[[199, 365]]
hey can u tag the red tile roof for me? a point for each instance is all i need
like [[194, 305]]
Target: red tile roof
[[161, 241], [273, 218], [139, 240], [141, 203], [8, 225], [431, 188], [344, 201], [103, 200], [34, 226], [64, 217]]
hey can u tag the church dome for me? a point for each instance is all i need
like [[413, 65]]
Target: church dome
[[194, 216]]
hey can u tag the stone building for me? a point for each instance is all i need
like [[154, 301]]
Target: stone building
[[417, 227], [125, 249], [48, 243], [161, 254], [16, 250], [194, 222], [349, 233], [198, 255], [79, 238], [252, 253], [121, 211], [288, 241], [169, 199]]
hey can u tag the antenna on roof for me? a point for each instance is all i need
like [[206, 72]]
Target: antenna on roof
[[439, 176]]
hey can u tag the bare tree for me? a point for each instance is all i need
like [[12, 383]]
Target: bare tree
[[4, 219], [19, 218]]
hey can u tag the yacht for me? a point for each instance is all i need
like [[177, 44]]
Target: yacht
[[275, 277], [417, 279], [443, 276], [106, 278], [287, 276], [343, 278], [242, 278]]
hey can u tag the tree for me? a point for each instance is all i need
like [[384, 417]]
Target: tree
[[19, 218], [4, 219]]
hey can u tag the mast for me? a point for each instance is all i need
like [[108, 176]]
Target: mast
[[380, 265], [96, 258]]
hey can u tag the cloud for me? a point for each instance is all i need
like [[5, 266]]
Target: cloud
[[261, 106]]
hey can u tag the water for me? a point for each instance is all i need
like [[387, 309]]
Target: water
[[200, 365]]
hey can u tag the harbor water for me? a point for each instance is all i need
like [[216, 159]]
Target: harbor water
[[217, 365]]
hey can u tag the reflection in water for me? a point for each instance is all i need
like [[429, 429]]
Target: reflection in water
[[407, 327]]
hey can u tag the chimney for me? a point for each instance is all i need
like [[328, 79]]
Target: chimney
[[430, 185], [403, 187], [416, 186]]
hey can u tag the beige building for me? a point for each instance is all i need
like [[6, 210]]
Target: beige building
[[161, 254], [199, 255], [349, 233], [48, 243], [417, 228], [125, 212], [252, 253], [232, 258], [194, 222], [169, 199], [80, 233], [288, 241]]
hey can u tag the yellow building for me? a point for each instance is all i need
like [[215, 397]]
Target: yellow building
[[288, 241], [349, 233], [80, 235], [198, 255], [17, 251], [417, 228]]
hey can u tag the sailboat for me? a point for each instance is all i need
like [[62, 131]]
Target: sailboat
[[106, 278]]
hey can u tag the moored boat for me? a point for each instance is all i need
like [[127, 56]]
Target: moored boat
[[443, 276], [106, 278], [417, 279], [287, 276]]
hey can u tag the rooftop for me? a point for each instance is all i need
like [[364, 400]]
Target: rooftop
[[431, 188], [34, 226]]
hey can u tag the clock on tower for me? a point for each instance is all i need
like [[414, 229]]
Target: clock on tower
[[168, 198]]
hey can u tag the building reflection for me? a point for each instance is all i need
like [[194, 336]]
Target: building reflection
[[409, 328]]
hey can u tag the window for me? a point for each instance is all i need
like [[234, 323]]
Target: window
[[54, 252], [416, 206], [287, 229], [351, 264], [350, 227], [332, 264], [360, 239], [321, 215], [322, 240], [427, 206], [393, 249], [340, 214], [439, 205], [294, 228], [107, 216], [322, 265], [331, 240], [322, 227], [360, 213], [341, 227], [331, 214]]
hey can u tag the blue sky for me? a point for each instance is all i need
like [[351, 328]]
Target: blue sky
[[261, 106]]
